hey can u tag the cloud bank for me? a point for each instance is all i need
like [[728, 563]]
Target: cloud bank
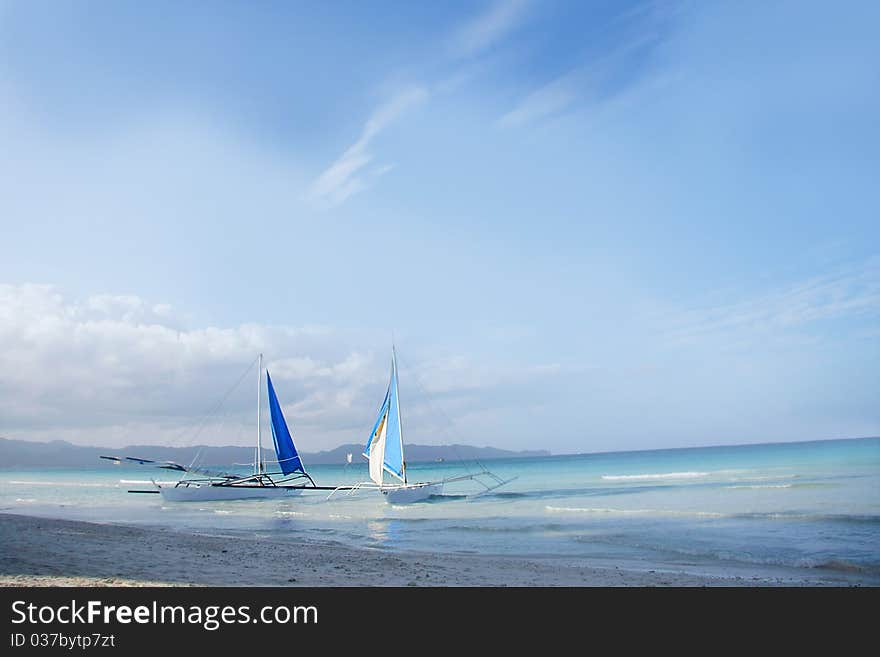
[[116, 370]]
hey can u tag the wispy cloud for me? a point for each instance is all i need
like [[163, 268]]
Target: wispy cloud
[[488, 28], [354, 170], [550, 99], [848, 292], [589, 81]]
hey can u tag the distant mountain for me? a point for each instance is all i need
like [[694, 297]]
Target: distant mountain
[[417, 453], [60, 453]]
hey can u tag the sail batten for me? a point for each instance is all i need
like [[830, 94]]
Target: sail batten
[[288, 458]]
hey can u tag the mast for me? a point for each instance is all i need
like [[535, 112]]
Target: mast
[[397, 402], [258, 460]]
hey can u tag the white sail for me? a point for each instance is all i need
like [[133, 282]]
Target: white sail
[[394, 462], [384, 450], [377, 452]]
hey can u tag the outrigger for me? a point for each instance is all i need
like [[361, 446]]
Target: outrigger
[[210, 485]]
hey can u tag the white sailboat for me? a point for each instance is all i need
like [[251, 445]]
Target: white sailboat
[[384, 450], [290, 477]]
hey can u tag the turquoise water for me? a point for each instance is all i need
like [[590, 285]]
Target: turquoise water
[[803, 510]]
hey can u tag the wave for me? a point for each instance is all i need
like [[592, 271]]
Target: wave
[[565, 492], [652, 476], [858, 518], [797, 486], [659, 547], [780, 515], [85, 484], [785, 560], [774, 477], [77, 484], [655, 512], [511, 529], [846, 566]]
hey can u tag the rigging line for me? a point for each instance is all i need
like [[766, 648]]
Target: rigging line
[[449, 422], [213, 410], [216, 407], [177, 438], [221, 423]]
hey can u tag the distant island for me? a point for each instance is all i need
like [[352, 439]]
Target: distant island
[[59, 453]]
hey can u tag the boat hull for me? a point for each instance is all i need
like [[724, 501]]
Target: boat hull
[[208, 493], [411, 493]]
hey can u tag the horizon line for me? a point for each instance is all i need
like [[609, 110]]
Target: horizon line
[[548, 452]]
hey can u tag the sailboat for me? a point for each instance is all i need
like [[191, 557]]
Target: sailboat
[[384, 451], [289, 478]]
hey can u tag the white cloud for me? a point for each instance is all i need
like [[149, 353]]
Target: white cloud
[[351, 173], [113, 371], [112, 361]]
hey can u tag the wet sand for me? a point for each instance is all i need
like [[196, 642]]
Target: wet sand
[[48, 552]]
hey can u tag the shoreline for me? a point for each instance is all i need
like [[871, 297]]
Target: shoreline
[[38, 551]]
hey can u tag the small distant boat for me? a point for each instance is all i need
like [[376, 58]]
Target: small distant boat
[[384, 450], [290, 478]]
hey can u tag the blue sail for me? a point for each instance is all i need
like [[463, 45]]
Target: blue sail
[[288, 458], [393, 437]]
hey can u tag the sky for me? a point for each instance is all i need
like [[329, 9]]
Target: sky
[[586, 226]]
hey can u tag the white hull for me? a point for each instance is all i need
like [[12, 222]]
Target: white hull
[[411, 493], [208, 493]]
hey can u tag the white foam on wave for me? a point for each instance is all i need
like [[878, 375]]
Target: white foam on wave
[[575, 509], [772, 477], [757, 486], [655, 475], [77, 484], [654, 512], [84, 484]]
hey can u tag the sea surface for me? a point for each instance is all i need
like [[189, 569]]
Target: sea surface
[[807, 511]]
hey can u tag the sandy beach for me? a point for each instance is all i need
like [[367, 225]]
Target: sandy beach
[[49, 552]]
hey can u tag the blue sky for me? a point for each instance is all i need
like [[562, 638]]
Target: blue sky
[[589, 225]]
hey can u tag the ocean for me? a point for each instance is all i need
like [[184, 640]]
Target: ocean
[[807, 511]]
